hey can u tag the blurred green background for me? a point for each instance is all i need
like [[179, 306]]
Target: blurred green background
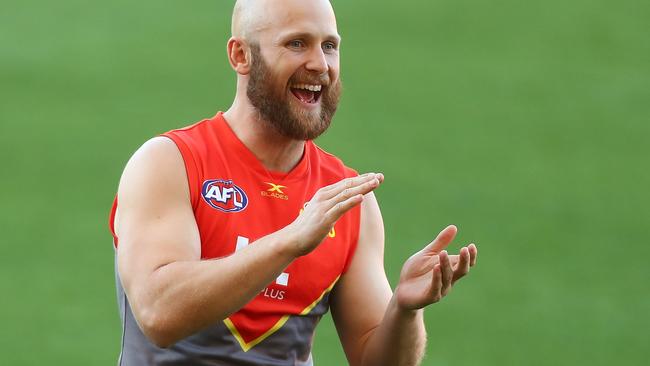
[[524, 123]]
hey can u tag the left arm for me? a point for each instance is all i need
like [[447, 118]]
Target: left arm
[[378, 327]]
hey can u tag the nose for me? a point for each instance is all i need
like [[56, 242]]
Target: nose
[[317, 61]]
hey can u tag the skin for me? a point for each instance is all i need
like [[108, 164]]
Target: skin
[[173, 293], [274, 25]]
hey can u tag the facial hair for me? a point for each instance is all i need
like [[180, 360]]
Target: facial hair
[[272, 100]]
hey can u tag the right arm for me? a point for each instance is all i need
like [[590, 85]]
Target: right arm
[[172, 292]]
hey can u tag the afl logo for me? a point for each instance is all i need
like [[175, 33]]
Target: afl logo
[[224, 195]]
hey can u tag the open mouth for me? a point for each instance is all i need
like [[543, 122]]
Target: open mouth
[[307, 93]]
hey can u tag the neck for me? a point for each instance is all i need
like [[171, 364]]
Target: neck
[[275, 151]]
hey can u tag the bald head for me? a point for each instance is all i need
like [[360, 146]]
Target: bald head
[[252, 17], [247, 18]]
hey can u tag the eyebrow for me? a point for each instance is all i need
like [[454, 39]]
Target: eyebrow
[[306, 35]]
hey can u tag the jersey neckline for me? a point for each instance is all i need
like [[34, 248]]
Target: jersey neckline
[[231, 142]]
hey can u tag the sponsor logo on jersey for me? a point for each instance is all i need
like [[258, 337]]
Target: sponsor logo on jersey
[[275, 191], [274, 294], [224, 195]]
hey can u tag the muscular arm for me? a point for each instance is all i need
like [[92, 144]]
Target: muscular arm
[[378, 327], [371, 328], [172, 292]]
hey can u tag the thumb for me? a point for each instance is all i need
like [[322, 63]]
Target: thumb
[[441, 241]]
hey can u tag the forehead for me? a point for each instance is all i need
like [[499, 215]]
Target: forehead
[[312, 17]]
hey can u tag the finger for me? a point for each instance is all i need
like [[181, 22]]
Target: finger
[[436, 283], [463, 265], [336, 188], [442, 240], [446, 271], [334, 213], [351, 192], [473, 254], [453, 259], [347, 182]]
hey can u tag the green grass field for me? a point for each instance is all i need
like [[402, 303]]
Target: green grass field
[[524, 123]]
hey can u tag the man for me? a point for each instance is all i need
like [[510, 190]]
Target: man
[[234, 235]]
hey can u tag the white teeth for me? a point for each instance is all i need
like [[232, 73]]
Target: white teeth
[[308, 87]]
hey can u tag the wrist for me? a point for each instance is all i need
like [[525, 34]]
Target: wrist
[[287, 244], [405, 313], [402, 310]]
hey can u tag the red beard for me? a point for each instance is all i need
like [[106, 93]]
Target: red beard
[[275, 107]]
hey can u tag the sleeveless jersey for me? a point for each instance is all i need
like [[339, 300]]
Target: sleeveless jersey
[[237, 201]]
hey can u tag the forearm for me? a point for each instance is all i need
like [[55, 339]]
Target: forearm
[[400, 339], [183, 297]]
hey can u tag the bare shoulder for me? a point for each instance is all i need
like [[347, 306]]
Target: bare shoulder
[[153, 180], [158, 163], [159, 153]]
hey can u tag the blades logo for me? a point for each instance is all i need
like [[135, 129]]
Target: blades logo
[[275, 191], [224, 195]]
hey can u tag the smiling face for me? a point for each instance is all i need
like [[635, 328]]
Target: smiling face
[[300, 108], [294, 75]]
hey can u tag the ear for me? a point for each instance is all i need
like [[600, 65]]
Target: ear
[[239, 56]]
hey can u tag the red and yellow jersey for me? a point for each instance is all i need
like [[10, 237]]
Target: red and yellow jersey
[[236, 201]]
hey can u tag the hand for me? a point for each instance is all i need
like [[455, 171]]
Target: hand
[[430, 273], [326, 207]]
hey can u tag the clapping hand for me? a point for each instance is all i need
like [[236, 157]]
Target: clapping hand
[[430, 274]]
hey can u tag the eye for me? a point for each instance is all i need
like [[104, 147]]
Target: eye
[[296, 43], [329, 46]]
